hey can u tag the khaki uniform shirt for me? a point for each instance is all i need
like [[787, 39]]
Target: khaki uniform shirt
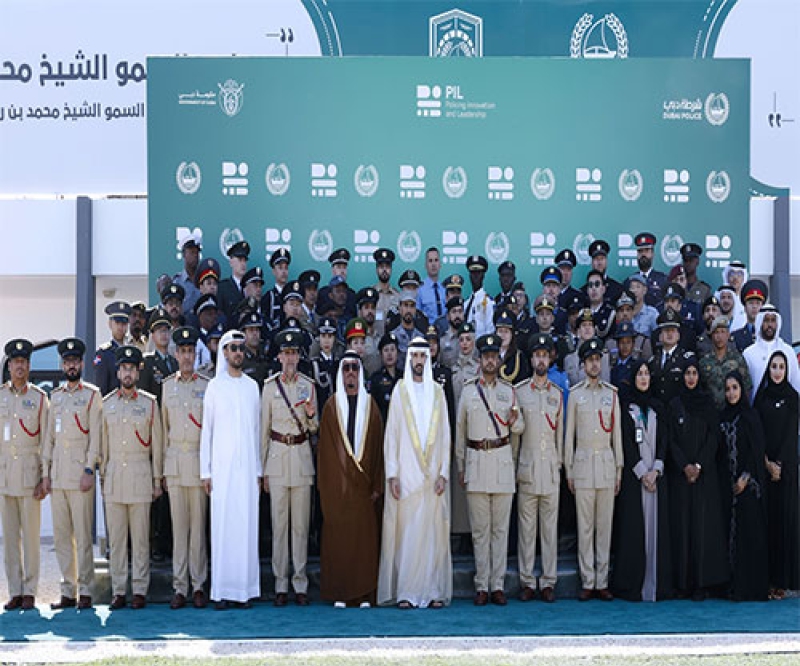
[[74, 431], [287, 464], [465, 369], [489, 471], [541, 447], [593, 443], [23, 421], [449, 349], [131, 448], [387, 300], [182, 420]]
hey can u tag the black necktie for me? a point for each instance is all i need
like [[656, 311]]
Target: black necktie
[[438, 299]]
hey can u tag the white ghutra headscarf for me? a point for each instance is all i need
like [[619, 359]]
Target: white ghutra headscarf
[[343, 407], [222, 363], [421, 395]]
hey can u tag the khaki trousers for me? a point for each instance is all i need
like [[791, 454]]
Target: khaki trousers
[[489, 514], [72, 537], [290, 504], [121, 518], [537, 511], [189, 510], [22, 518], [595, 508]]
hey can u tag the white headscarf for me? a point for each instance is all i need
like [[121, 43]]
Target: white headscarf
[[222, 363], [738, 314], [343, 406], [758, 354], [421, 399]]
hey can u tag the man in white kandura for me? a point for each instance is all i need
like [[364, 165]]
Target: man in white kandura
[[416, 569], [230, 466]]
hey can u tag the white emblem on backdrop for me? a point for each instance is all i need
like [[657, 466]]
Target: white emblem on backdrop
[[275, 239], [227, 238], [671, 249], [366, 180], [501, 183], [543, 250], [320, 244], [455, 33], [323, 180], [631, 184], [412, 182], [718, 251], [543, 183], [181, 233], [497, 247], [409, 246], [278, 178], [429, 101], [231, 97], [580, 246], [588, 185], [718, 186], [603, 38], [717, 108], [676, 185], [454, 182], [455, 247], [188, 177], [626, 250], [365, 242], [234, 179]]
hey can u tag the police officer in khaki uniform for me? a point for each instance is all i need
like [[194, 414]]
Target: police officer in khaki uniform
[[593, 462], [70, 452], [131, 461], [388, 296], [541, 451], [288, 419], [182, 418], [23, 419], [487, 416]]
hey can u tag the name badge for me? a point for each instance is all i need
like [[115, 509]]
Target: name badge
[[7, 432], [639, 435], [58, 425], [303, 393]]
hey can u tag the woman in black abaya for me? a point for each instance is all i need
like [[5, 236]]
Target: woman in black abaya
[[777, 405], [742, 437], [699, 547], [642, 570]]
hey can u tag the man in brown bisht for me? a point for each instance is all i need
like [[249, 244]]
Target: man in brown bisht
[[350, 481]]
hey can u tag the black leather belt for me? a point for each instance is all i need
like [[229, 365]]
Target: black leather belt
[[487, 444], [290, 440]]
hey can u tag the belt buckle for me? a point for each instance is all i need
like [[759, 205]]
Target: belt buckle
[[290, 440], [485, 445]]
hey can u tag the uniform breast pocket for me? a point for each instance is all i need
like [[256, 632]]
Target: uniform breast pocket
[[274, 465], [580, 465]]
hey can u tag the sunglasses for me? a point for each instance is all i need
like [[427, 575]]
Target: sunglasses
[[236, 348], [349, 367], [595, 283]]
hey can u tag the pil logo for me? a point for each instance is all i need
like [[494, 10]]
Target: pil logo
[[429, 98]]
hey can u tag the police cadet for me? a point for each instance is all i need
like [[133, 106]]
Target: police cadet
[[382, 383], [388, 296], [622, 356], [23, 418], [507, 275], [70, 452], [443, 376], [754, 294], [566, 261], [288, 419], [158, 364], [272, 301], [367, 301], [131, 459], [172, 301], [230, 291], [256, 362], [325, 362], [137, 325], [666, 366], [593, 463], [182, 419], [691, 322], [696, 290], [487, 415], [453, 286], [642, 347], [599, 251], [105, 373], [339, 260], [656, 281], [541, 451], [309, 288]]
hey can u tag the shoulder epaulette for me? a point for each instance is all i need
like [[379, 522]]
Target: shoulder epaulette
[[272, 377], [174, 375], [608, 385], [556, 386], [306, 377], [505, 382], [109, 395], [105, 346], [522, 383], [146, 394], [58, 389], [91, 387], [37, 389], [471, 380], [578, 385], [202, 376]]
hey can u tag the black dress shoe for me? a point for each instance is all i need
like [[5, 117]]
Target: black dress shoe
[[527, 594], [15, 603], [66, 602], [199, 599], [84, 602], [222, 605], [28, 602], [118, 602], [499, 598], [138, 602], [281, 599], [178, 601], [548, 595], [301, 599], [481, 598], [585, 594], [605, 595]]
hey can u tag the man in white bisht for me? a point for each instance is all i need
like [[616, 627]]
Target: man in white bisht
[[416, 569], [768, 341], [230, 467]]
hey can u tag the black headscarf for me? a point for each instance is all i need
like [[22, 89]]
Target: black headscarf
[[696, 401], [730, 412], [632, 395], [769, 389]]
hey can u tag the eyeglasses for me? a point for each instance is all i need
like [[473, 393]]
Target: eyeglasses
[[236, 348], [349, 367], [595, 283]]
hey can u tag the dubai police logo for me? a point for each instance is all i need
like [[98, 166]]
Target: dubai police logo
[[718, 186], [366, 180], [580, 246], [631, 184], [320, 244], [497, 247], [604, 38], [409, 246], [454, 182], [231, 98], [228, 238], [671, 249], [717, 108], [278, 179], [543, 183], [188, 177], [455, 34]]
